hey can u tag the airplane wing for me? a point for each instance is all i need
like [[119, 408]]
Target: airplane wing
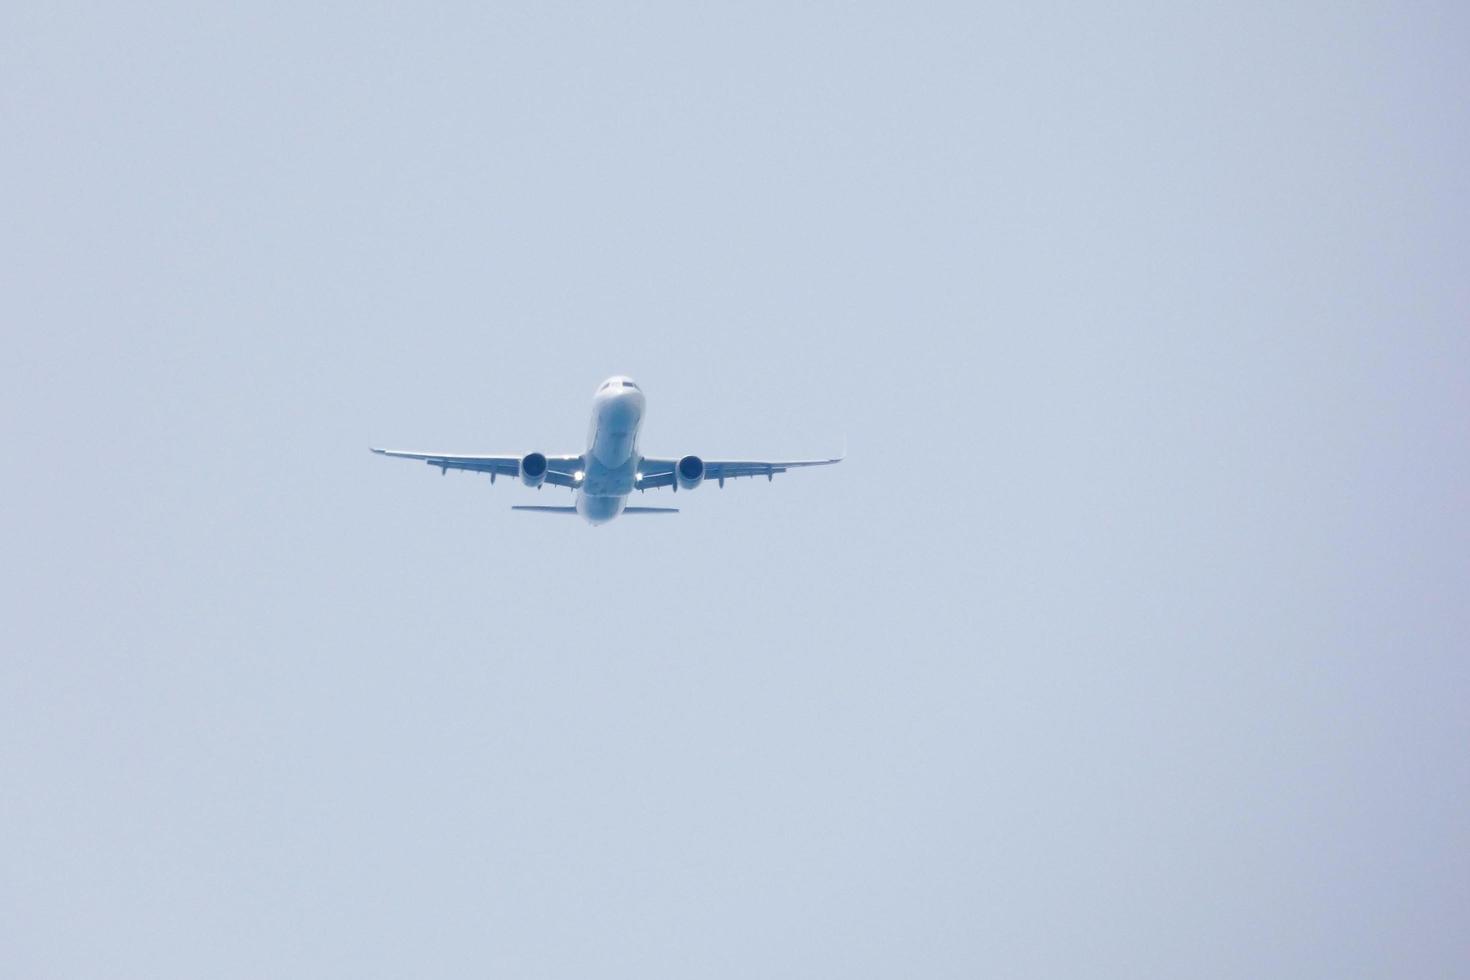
[[561, 471], [660, 472]]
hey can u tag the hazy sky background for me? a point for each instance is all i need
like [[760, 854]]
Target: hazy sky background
[[1131, 639]]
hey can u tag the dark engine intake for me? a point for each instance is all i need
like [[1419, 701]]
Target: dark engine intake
[[533, 469], [689, 472]]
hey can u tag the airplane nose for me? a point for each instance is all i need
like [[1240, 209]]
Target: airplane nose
[[624, 409]]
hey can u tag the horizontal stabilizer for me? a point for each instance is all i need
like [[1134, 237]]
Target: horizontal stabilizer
[[572, 510]]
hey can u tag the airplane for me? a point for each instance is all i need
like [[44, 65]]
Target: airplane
[[602, 478]]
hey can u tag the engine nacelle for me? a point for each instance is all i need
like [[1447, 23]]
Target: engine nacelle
[[689, 472], [533, 469]]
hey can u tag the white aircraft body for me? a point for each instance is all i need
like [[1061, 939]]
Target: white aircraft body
[[602, 478]]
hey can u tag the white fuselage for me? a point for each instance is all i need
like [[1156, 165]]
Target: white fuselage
[[612, 451]]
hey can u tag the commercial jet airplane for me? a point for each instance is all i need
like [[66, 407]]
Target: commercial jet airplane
[[612, 468]]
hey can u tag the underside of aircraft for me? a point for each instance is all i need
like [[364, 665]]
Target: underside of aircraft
[[603, 477]]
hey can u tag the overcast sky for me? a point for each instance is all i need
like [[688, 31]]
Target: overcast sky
[[1130, 640]]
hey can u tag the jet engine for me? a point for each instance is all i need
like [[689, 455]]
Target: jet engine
[[689, 472], [533, 469]]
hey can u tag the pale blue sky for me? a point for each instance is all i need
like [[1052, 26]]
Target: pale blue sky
[[1129, 641]]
